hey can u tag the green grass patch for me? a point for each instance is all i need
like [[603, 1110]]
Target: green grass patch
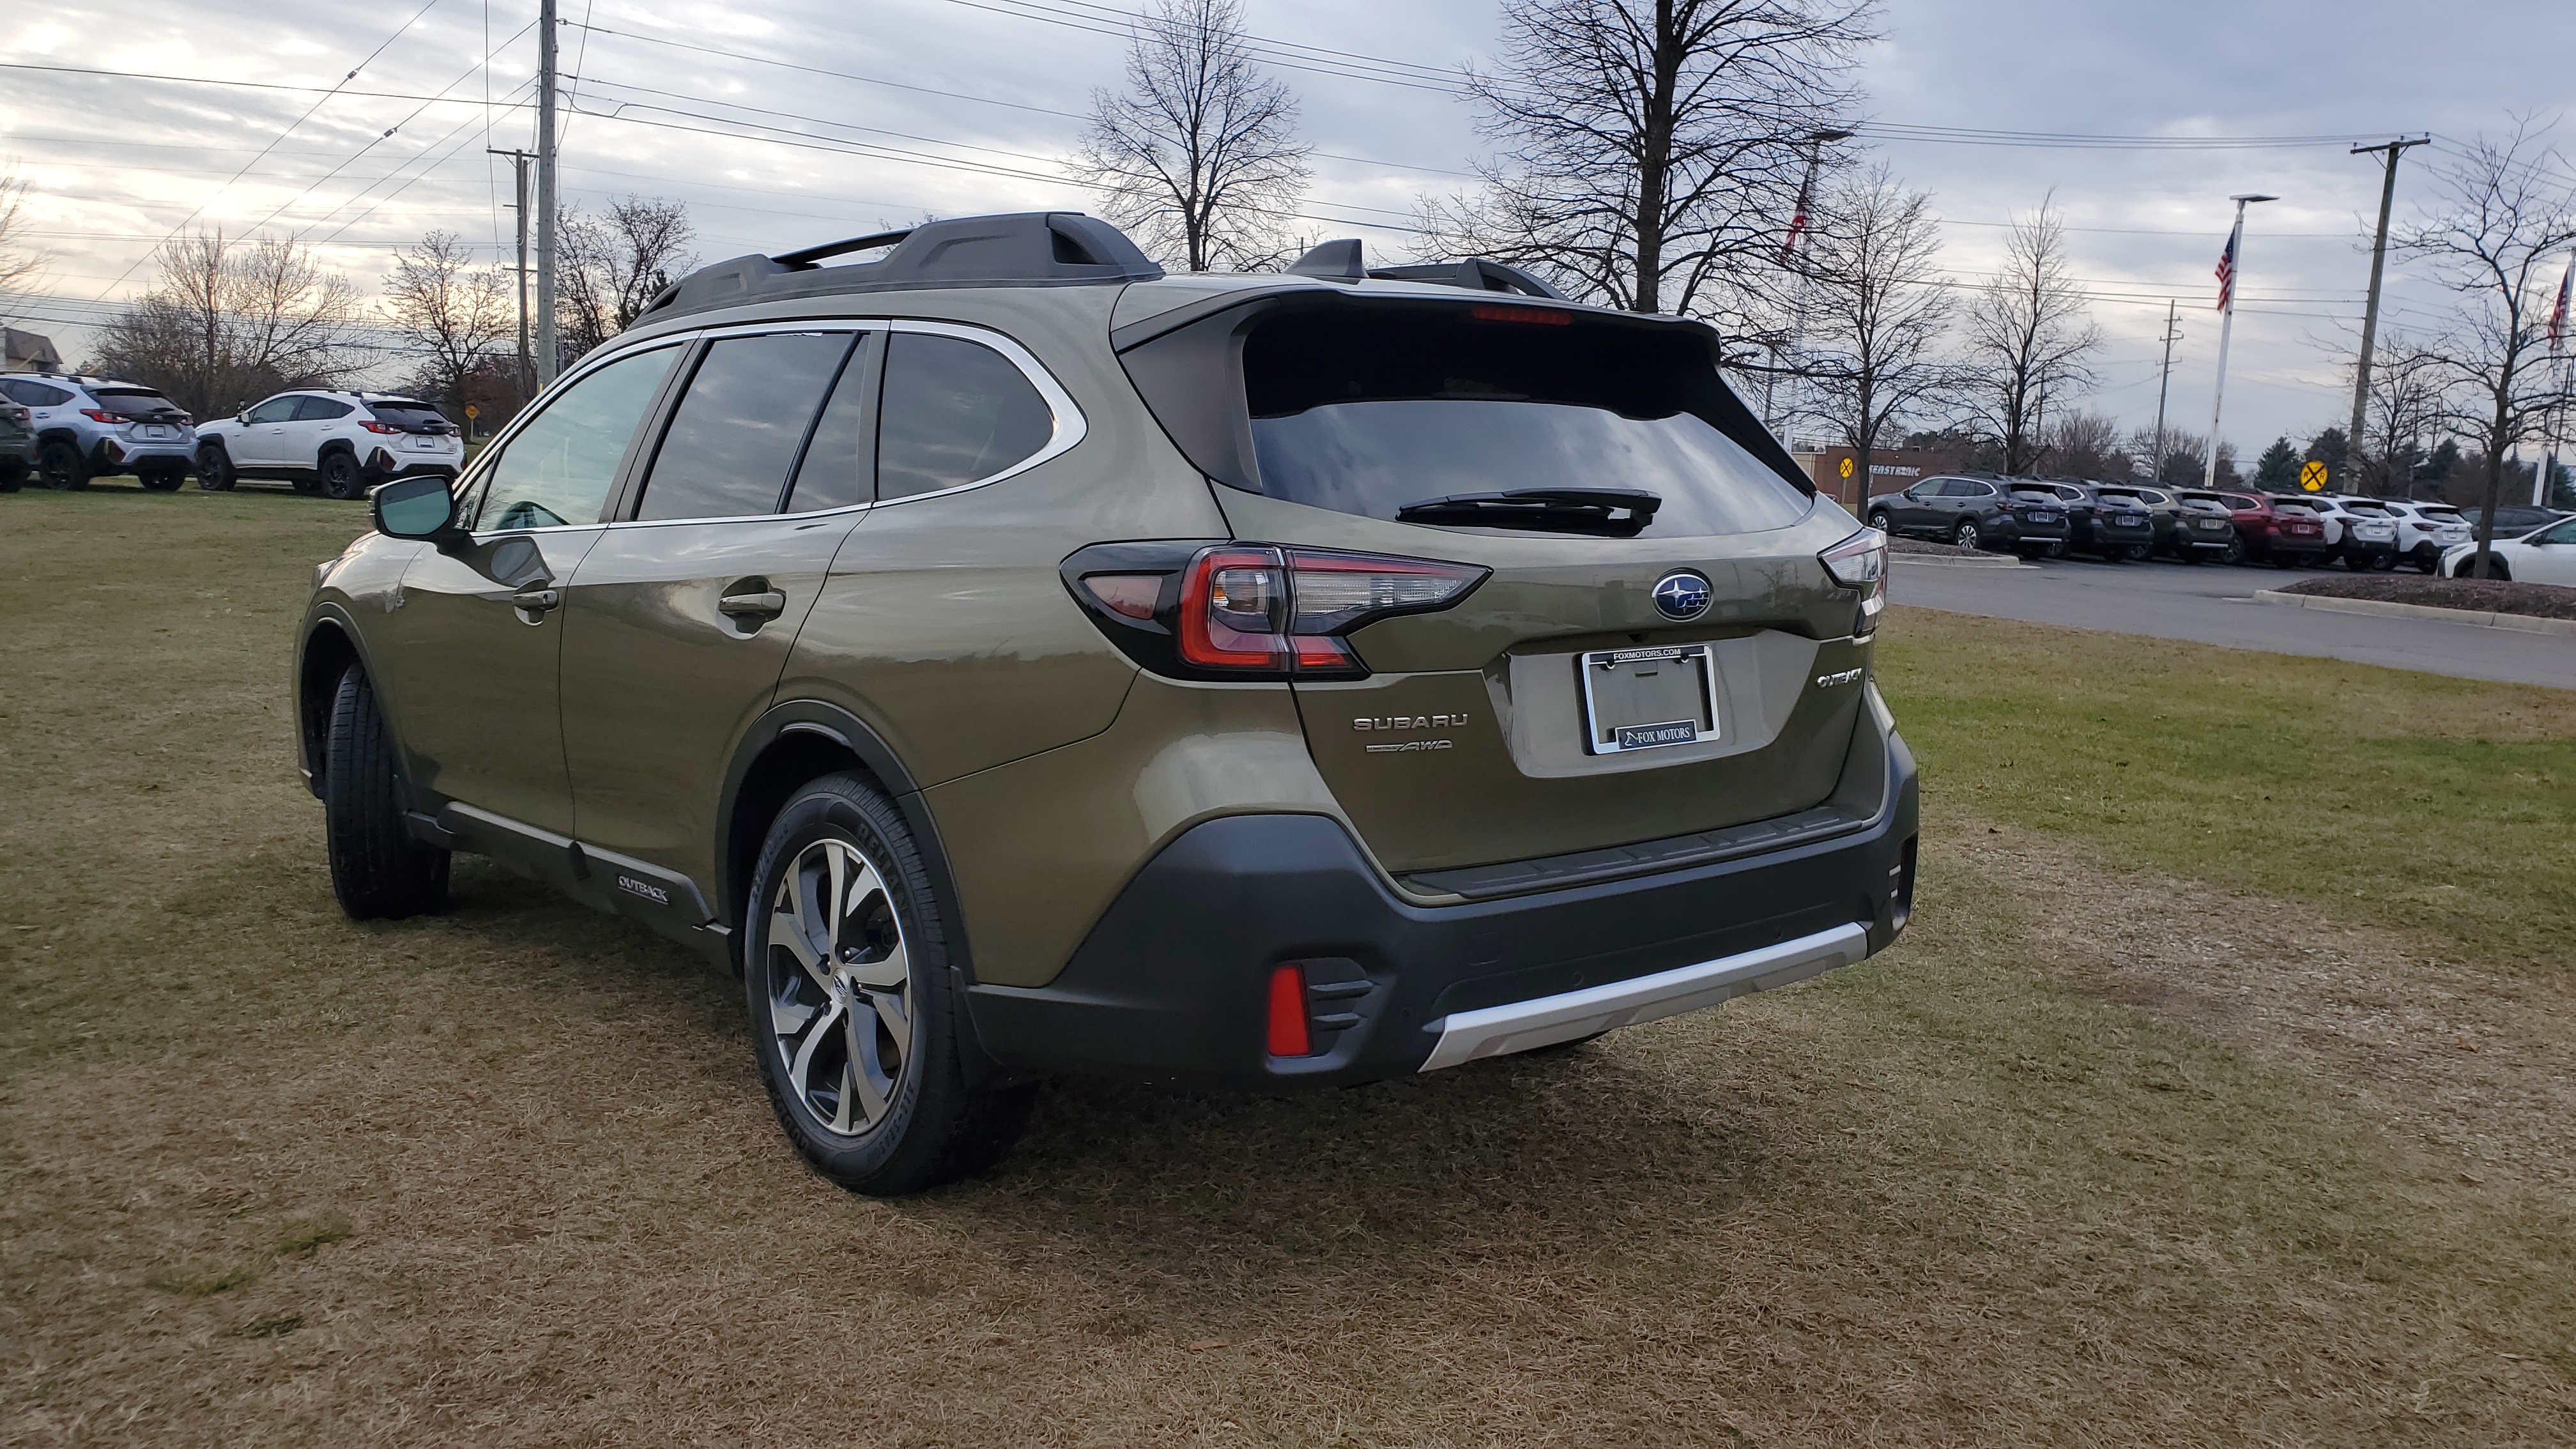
[[198, 1280], [2413, 800], [306, 1234]]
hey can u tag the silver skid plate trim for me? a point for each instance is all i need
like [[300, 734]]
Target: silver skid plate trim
[[1519, 1026]]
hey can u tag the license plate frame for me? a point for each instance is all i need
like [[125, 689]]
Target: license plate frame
[[1689, 715]]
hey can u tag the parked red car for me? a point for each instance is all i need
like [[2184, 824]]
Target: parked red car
[[2284, 535]]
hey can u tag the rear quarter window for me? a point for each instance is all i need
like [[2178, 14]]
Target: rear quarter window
[[954, 412]]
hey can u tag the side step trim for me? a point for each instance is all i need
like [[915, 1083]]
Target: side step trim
[[1519, 1026]]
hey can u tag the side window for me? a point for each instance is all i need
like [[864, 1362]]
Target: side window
[[739, 425], [2563, 533], [275, 410], [320, 410], [955, 411], [1971, 490], [839, 467], [558, 468]]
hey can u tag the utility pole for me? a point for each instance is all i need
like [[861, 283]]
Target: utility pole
[[547, 348], [519, 167], [2164, 381], [2231, 265], [2370, 313]]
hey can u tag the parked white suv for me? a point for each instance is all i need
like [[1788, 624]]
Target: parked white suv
[[335, 443], [2359, 530], [87, 427], [2426, 531]]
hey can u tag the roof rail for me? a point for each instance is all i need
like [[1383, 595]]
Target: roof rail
[[1020, 249], [1339, 260]]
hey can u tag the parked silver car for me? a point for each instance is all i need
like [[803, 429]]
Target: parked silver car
[[89, 427]]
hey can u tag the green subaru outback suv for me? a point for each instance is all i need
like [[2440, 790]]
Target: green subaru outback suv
[[1013, 661]]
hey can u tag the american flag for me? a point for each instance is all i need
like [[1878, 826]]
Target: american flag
[[2558, 315], [1798, 221], [2227, 267]]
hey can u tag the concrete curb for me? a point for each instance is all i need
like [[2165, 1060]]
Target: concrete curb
[[1960, 561], [2486, 618]]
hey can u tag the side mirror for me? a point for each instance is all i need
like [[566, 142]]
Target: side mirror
[[420, 507]]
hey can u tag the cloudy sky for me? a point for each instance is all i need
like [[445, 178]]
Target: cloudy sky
[[784, 122]]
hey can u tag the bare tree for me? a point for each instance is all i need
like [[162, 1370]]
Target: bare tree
[[1876, 312], [2503, 213], [456, 313], [227, 322], [2082, 445], [1199, 158], [609, 266], [1653, 150], [19, 262], [2028, 337], [2406, 407]]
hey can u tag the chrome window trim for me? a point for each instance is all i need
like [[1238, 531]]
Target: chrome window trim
[[1071, 427]]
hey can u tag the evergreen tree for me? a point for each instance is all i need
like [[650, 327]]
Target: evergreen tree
[[2277, 471]]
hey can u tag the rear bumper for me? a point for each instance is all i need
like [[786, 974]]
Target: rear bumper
[[386, 463], [1172, 983]]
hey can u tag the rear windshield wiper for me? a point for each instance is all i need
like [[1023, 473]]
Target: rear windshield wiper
[[1609, 512]]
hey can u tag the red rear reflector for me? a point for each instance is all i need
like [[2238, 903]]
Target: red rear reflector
[[1288, 1012], [1543, 316]]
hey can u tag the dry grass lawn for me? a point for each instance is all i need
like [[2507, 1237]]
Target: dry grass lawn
[[2117, 1148]]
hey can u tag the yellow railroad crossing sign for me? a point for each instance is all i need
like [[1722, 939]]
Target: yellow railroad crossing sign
[[1847, 467], [472, 411], [2312, 476]]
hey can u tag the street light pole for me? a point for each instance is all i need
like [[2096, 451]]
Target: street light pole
[[547, 348], [2370, 312], [2232, 268]]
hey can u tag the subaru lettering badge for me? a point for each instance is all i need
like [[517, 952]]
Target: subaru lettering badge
[[1681, 597]]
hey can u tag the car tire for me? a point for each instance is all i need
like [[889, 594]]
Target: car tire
[[2428, 561], [840, 892], [341, 478], [378, 870], [2057, 549], [2383, 562], [2233, 553], [1964, 535], [2137, 553], [13, 474], [164, 478], [62, 466], [1880, 521], [215, 469]]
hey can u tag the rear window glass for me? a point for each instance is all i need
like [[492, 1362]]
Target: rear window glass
[[2441, 515], [2036, 495], [133, 400], [1435, 415], [2124, 500], [413, 415], [740, 424]]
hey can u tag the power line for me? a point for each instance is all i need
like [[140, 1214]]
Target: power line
[[199, 80]]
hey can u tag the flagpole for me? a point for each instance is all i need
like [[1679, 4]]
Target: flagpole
[[2234, 269], [2554, 415]]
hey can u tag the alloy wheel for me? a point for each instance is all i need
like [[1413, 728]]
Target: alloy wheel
[[1964, 536], [839, 983]]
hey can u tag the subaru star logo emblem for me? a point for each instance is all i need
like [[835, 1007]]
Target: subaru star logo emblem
[[1681, 597]]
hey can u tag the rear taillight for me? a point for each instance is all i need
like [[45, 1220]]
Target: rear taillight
[[1241, 610], [95, 415], [376, 427], [1860, 562]]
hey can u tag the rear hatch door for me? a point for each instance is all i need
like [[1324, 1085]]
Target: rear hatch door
[[1657, 650]]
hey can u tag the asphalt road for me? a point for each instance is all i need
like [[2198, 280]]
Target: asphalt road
[[2212, 604]]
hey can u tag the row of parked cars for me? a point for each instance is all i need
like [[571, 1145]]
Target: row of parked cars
[[64, 429], [2132, 522]]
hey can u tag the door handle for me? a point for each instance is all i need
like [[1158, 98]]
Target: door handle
[[535, 601], [767, 604]]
